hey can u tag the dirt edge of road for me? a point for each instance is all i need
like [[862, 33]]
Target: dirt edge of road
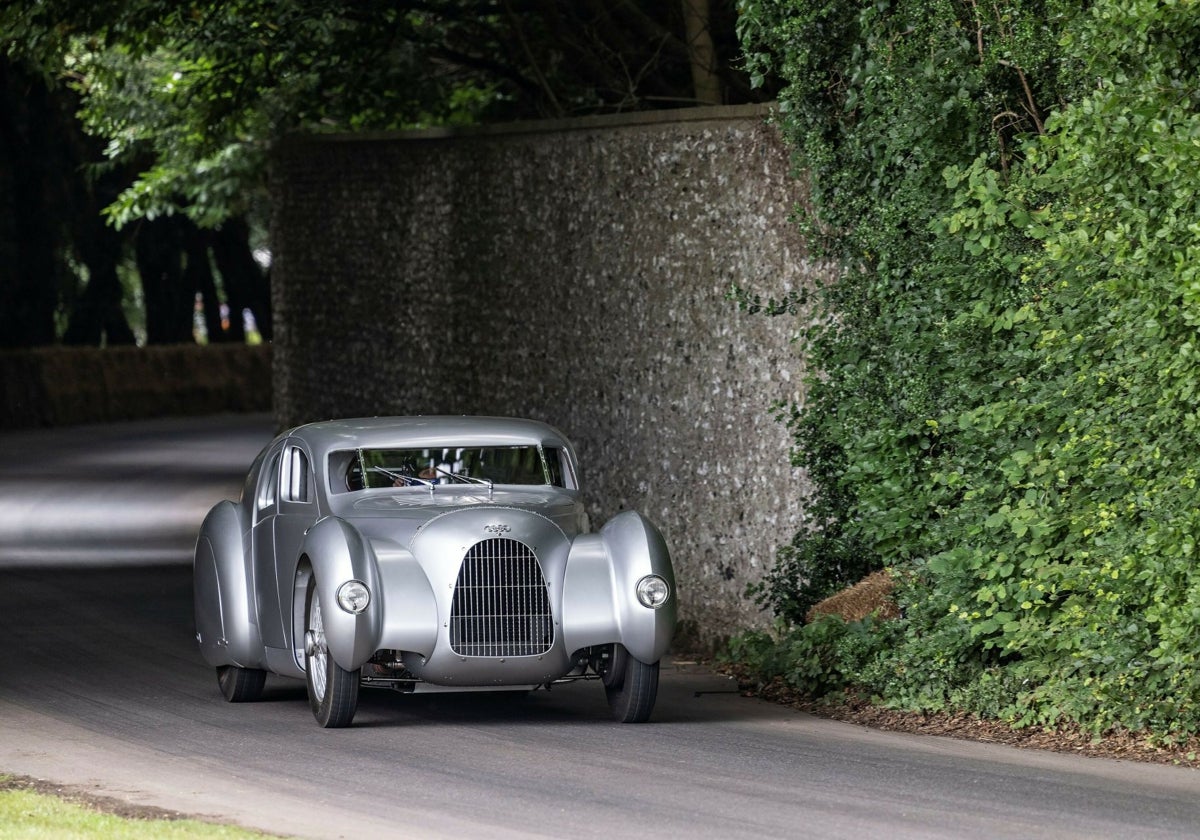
[[95, 801]]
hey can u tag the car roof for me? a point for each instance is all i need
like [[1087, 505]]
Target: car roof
[[421, 431]]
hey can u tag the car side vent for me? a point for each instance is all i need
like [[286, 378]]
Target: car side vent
[[501, 607]]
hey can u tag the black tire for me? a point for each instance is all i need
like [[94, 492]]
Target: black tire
[[241, 685], [332, 691], [631, 686]]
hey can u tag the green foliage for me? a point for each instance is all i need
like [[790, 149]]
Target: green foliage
[[193, 94], [1008, 410], [816, 659], [880, 100]]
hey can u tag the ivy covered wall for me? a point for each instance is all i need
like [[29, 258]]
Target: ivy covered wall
[[1009, 421], [578, 273]]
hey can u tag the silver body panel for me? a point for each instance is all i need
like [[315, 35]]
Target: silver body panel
[[411, 546]]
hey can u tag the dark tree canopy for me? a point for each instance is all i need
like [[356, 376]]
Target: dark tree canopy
[[171, 106]]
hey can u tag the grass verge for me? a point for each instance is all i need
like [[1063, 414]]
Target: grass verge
[[31, 809]]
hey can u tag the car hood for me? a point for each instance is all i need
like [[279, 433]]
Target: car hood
[[397, 516]]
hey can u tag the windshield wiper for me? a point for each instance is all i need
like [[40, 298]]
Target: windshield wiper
[[468, 479], [405, 479]]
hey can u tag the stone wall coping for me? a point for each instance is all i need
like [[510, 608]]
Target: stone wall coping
[[716, 113]]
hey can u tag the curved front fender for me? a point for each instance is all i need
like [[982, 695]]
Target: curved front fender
[[222, 592], [338, 553], [600, 603]]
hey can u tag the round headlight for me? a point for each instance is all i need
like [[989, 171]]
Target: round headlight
[[353, 596], [653, 591]]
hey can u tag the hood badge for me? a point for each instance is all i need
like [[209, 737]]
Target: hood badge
[[497, 529]]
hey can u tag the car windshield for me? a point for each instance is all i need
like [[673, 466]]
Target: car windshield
[[366, 469]]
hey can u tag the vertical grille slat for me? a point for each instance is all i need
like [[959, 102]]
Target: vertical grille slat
[[501, 606]]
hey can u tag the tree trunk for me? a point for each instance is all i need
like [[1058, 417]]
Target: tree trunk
[[169, 299], [97, 317], [198, 279], [30, 229], [246, 285], [706, 84]]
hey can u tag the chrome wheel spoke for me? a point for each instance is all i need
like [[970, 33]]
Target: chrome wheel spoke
[[317, 661]]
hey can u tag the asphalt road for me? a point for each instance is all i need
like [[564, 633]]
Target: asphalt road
[[101, 688]]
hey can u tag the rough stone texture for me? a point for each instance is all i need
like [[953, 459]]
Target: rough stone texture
[[575, 273]]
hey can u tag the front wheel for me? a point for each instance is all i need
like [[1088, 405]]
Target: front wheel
[[630, 685], [332, 690]]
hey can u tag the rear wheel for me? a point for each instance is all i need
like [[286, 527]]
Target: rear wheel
[[332, 690], [630, 685], [241, 685]]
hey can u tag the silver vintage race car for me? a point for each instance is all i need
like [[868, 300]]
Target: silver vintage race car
[[428, 554]]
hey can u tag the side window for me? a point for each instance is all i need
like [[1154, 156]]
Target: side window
[[297, 477], [553, 462], [268, 484], [562, 469]]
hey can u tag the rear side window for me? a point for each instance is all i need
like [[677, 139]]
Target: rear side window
[[297, 476], [268, 484]]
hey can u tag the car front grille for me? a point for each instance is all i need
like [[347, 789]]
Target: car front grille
[[501, 607]]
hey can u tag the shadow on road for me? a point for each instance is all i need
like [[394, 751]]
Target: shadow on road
[[120, 493]]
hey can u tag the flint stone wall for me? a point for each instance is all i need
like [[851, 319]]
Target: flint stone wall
[[576, 273]]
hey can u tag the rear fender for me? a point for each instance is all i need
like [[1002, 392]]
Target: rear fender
[[226, 612], [338, 553]]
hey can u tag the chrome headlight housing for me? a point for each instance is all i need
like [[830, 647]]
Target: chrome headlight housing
[[353, 596], [653, 591]]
